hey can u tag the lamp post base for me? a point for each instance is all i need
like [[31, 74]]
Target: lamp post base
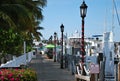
[[55, 58], [61, 64]]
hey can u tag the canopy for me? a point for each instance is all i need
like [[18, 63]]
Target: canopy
[[50, 46]]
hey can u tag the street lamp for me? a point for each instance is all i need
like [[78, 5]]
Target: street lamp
[[55, 34], [62, 30], [83, 11]]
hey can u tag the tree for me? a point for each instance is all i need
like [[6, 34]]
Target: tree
[[19, 21]]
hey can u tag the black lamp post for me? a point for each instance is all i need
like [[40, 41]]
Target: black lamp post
[[62, 30], [83, 11], [55, 34]]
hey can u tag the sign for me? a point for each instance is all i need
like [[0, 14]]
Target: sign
[[94, 68]]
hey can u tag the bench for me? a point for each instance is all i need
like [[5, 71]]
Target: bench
[[79, 70], [82, 77]]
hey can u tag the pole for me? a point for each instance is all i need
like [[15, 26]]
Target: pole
[[62, 52], [55, 49], [82, 41], [82, 45], [118, 71], [25, 52]]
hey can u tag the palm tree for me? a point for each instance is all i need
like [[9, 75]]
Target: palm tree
[[21, 14], [35, 8], [22, 17]]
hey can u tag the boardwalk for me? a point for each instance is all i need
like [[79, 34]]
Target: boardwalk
[[47, 70]]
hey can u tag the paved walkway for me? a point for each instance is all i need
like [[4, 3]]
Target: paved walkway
[[47, 70]]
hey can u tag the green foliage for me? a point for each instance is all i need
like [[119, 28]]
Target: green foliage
[[13, 42], [19, 22]]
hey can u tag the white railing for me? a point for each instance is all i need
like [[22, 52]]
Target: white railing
[[21, 60]]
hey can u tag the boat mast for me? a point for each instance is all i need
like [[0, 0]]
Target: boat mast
[[113, 16]]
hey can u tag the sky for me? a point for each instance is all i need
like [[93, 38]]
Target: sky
[[99, 17]]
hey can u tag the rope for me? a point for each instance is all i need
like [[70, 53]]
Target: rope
[[116, 12]]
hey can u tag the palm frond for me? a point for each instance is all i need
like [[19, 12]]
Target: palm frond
[[7, 19], [19, 14]]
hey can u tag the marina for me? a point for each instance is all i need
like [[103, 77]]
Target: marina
[[84, 55]]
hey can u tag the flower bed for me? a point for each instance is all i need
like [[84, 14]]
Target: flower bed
[[18, 75]]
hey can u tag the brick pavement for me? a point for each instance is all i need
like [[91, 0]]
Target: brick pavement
[[47, 70]]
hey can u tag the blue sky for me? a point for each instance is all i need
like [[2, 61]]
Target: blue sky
[[67, 12]]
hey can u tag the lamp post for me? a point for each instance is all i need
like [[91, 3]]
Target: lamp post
[[83, 11], [55, 34], [62, 30]]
